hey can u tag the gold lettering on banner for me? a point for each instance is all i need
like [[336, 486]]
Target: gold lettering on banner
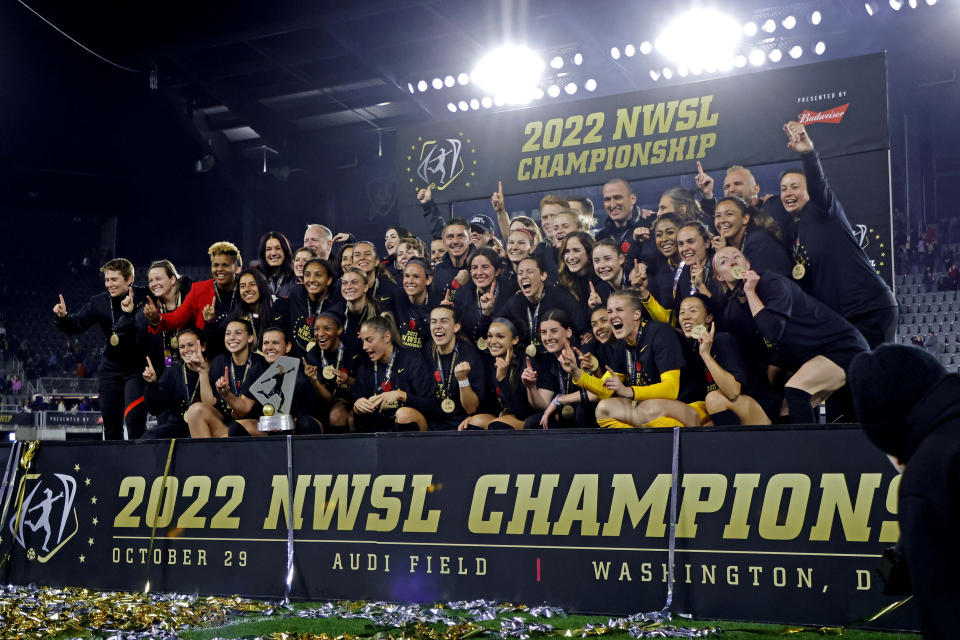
[[890, 529], [415, 522], [744, 484], [539, 505], [836, 499], [580, 505], [625, 498], [280, 501], [799, 486], [345, 502], [476, 523], [693, 484], [379, 500]]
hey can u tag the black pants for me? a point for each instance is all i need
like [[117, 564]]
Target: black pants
[[121, 401]]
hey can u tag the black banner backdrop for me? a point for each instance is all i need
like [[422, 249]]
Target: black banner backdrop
[[664, 131], [775, 524]]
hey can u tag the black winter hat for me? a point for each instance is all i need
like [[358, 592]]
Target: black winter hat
[[886, 384]]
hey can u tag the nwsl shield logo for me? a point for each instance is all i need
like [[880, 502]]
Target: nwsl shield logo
[[47, 519], [440, 162]]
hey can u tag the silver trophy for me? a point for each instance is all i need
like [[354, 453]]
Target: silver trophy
[[274, 390]]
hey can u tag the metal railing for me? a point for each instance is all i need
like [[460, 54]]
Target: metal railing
[[67, 386]]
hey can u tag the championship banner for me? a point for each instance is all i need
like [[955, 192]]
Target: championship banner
[[775, 524], [644, 134]]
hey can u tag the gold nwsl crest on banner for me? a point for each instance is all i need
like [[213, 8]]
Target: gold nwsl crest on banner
[[441, 161], [47, 520]]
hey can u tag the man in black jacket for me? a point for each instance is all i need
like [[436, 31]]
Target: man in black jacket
[[909, 406]]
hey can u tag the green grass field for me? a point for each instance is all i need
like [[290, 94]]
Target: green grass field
[[265, 626]]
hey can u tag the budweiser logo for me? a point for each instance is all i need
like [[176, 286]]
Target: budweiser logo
[[833, 116]]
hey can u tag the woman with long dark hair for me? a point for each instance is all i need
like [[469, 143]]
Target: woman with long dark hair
[[256, 306], [484, 296], [503, 376], [305, 303], [576, 273], [276, 263], [755, 233]]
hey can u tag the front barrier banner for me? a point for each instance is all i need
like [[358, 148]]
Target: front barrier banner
[[775, 524], [645, 134]]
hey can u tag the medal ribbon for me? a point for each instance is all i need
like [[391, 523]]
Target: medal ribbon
[[186, 386], [233, 375], [323, 359], [445, 388], [386, 375], [532, 321]]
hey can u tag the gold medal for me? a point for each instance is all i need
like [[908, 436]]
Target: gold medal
[[329, 372], [174, 343], [567, 411], [114, 339], [311, 345], [482, 344], [531, 350], [698, 331], [799, 271], [448, 405], [737, 272]]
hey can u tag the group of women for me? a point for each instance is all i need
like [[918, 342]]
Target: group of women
[[686, 320]]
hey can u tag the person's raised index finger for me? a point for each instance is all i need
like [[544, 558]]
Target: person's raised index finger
[[62, 301], [592, 287], [149, 364], [529, 366], [611, 370], [699, 167], [500, 187], [578, 352]]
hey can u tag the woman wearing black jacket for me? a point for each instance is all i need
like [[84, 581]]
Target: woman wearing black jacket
[[276, 263], [170, 393], [168, 288], [485, 296]]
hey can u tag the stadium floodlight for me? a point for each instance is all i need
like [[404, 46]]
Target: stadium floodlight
[[646, 47], [756, 57], [769, 26], [871, 8], [750, 29], [740, 61], [930, 3], [896, 5], [815, 18], [498, 100], [474, 104], [726, 65], [682, 71], [629, 50], [511, 72], [615, 53], [654, 75], [776, 55], [796, 51], [556, 62], [463, 105], [819, 48], [449, 81], [578, 58], [422, 86], [553, 91], [463, 79], [538, 94], [410, 87], [437, 83], [486, 102], [913, 4], [789, 22], [667, 73], [590, 84], [451, 107], [699, 36], [571, 88]]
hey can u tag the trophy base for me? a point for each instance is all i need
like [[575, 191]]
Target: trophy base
[[275, 424]]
